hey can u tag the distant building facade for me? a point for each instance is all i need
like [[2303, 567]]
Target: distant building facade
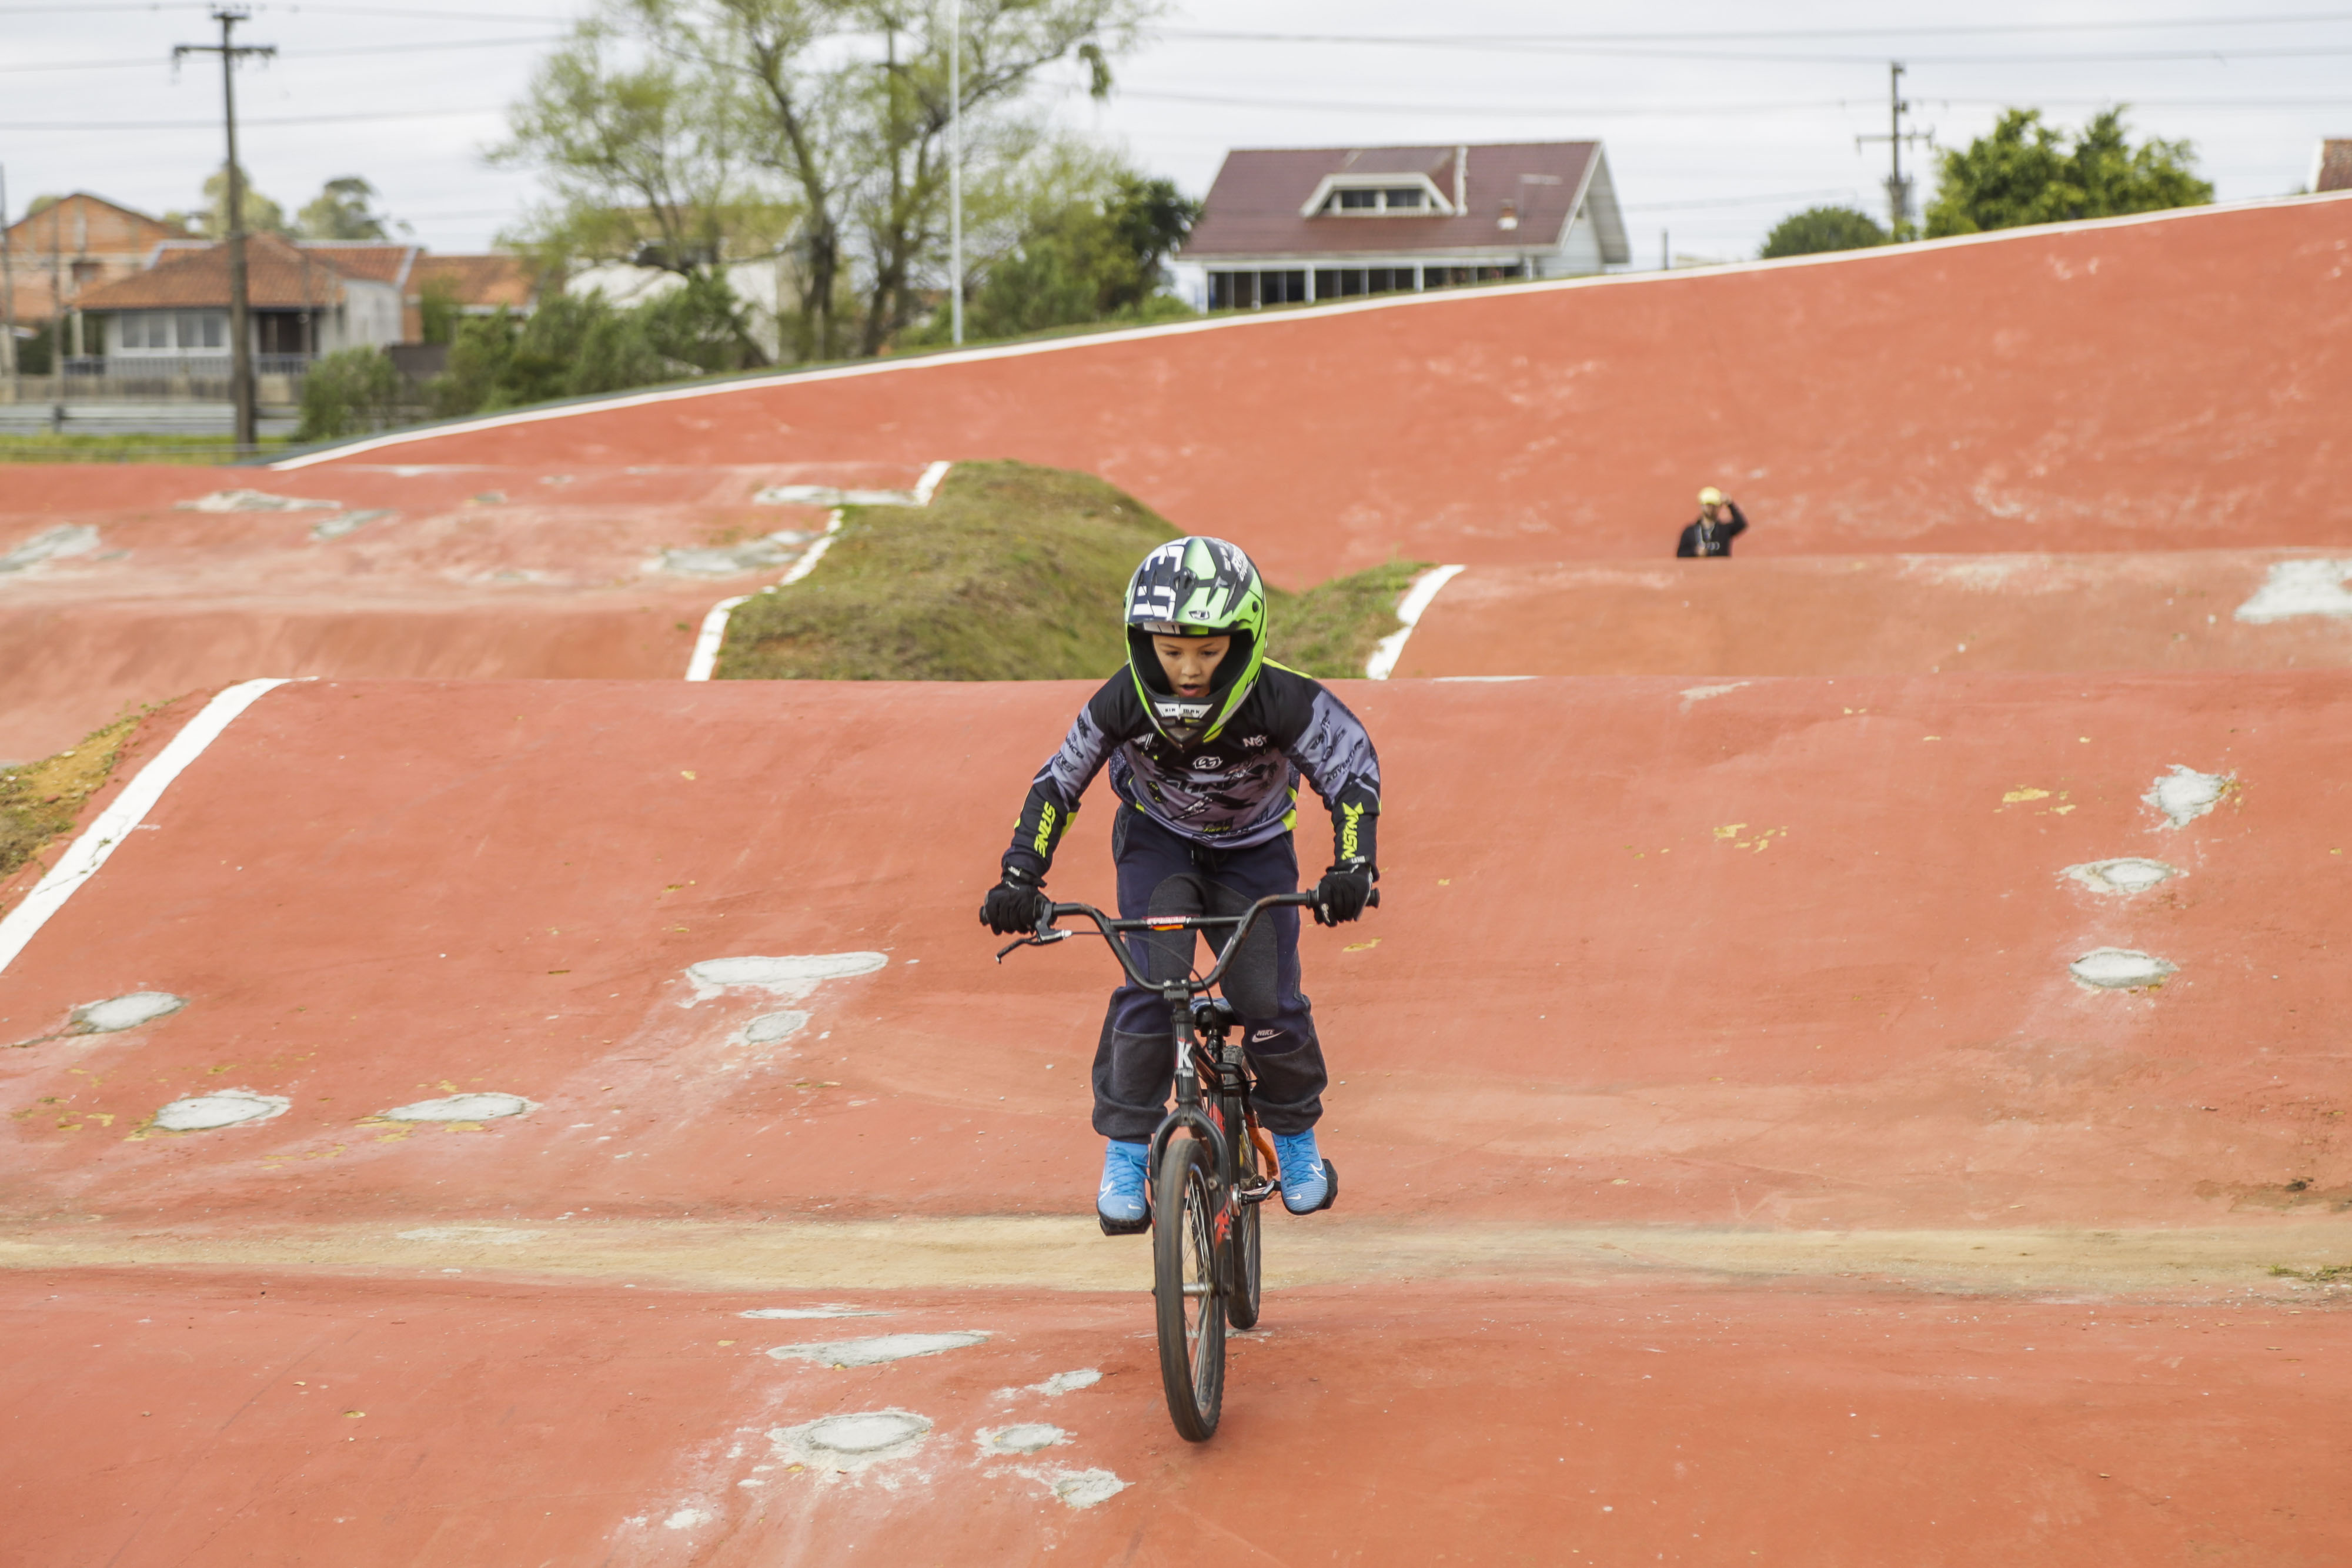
[[75, 244], [303, 299], [1286, 225]]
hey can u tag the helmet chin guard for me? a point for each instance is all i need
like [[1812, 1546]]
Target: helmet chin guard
[[1195, 587]]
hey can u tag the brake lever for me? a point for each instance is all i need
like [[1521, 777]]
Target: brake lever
[[1043, 941]]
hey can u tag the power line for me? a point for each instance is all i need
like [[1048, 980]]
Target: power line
[[362, 49], [244, 120], [1765, 34], [1552, 44]]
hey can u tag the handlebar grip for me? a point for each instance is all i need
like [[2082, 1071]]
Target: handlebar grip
[[1374, 902]]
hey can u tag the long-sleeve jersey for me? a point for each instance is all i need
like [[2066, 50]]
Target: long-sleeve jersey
[[1238, 790], [1703, 539]]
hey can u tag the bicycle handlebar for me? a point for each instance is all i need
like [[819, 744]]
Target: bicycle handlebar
[[1110, 930]]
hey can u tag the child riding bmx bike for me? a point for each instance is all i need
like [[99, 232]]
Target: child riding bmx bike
[[1206, 740]]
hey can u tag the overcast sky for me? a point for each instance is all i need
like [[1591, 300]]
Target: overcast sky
[[1719, 118]]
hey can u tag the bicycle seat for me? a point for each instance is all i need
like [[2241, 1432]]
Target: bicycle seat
[[1214, 1012]]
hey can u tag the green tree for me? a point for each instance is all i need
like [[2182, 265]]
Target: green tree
[[580, 345], [262, 216], [1080, 257], [342, 210], [1819, 229], [2025, 172]]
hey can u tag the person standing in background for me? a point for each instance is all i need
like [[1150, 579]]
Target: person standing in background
[[1719, 523]]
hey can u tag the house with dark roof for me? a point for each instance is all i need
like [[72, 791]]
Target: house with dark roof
[[1284, 226], [304, 300]]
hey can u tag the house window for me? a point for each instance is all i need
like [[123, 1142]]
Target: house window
[[1370, 201]]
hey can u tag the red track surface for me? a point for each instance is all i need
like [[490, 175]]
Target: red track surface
[[459, 572], [2169, 384], [1869, 615], [1592, 1013]]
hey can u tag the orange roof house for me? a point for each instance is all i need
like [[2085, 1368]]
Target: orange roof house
[[305, 299], [481, 284], [75, 244]]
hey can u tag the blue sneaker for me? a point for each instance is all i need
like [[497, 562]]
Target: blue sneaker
[[1119, 1203], [1308, 1181]]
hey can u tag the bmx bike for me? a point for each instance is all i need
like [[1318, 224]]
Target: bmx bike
[[1203, 1190]]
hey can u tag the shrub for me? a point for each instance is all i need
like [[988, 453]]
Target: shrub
[[348, 392]]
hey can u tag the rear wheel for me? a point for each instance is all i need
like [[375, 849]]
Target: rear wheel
[[1184, 1257], [1242, 1247]]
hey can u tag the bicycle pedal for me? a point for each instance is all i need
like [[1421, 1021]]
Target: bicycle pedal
[[1122, 1227]]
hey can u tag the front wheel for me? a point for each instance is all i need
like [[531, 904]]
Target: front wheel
[[1185, 1249]]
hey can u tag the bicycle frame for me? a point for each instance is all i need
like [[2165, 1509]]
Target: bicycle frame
[[1178, 994]]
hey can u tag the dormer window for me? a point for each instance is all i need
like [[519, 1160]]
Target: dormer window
[[1387, 199], [1373, 196]]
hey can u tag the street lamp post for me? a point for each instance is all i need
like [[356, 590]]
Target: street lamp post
[[955, 165]]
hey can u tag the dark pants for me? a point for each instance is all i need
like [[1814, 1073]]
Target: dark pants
[[1135, 1065]]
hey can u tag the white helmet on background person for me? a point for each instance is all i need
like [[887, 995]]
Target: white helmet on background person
[[1710, 497]]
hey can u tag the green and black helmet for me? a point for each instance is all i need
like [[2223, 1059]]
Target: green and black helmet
[[1195, 587]]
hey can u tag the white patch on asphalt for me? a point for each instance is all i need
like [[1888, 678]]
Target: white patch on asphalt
[[474, 1235], [461, 1108], [732, 560], [336, 527], [827, 495], [2128, 876], [1700, 693], [688, 1517], [228, 1108], [770, 1027], [787, 978], [2300, 588], [1053, 1387], [256, 501], [1026, 1437], [1080, 1488], [118, 1013], [2119, 968], [829, 1310], [878, 1350], [845, 1444], [2184, 794], [50, 544]]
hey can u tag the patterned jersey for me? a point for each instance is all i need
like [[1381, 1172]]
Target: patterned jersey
[[1238, 790]]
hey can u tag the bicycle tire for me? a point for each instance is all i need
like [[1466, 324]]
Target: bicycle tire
[[1243, 1249], [1185, 1289]]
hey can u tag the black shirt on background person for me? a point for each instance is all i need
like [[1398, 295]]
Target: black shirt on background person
[[1719, 522]]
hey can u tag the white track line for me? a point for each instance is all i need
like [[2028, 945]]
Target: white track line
[[1439, 300], [705, 662], [1416, 602], [103, 837]]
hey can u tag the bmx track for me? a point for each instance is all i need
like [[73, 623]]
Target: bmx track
[[1779, 1097], [1741, 1165]]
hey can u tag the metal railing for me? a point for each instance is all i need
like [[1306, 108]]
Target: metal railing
[[169, 377]]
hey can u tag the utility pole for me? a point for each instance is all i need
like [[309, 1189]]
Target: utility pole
[[240, 373], [1898, 185], [955, 165]]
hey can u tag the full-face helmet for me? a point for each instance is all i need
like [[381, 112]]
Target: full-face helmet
[[1195, 587]]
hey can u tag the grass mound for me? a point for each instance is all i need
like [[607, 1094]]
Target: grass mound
[[39, 800], [1012, 573]]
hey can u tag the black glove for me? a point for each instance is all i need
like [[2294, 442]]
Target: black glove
[[1343, 893], [1014, 905]]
